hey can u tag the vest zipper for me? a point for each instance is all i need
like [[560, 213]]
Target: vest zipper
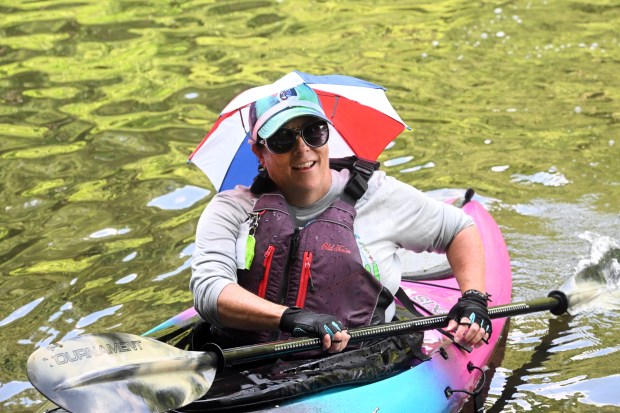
[[287, 267], [287, 275], [305, 281], [262, 287]]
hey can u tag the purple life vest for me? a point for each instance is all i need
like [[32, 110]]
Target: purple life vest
[[317, 267]]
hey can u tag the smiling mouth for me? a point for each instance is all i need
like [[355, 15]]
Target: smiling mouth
[[305, 165]]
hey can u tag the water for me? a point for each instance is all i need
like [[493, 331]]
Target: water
[[102, 101]]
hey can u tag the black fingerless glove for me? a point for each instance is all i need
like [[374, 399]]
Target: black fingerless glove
[[301, 323], [473, 305]]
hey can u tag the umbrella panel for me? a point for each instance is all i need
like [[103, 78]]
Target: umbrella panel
[[366, 130]]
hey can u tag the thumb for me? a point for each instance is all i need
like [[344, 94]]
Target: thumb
[[327, 341], [452, 325]]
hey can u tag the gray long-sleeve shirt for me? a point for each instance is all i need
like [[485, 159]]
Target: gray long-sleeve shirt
[[391, 215]]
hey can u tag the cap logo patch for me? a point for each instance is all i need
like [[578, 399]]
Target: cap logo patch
[[285, 94]]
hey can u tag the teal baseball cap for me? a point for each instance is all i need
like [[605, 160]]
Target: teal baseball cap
[[268, 114]]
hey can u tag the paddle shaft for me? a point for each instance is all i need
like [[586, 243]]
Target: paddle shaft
[[556, 302]]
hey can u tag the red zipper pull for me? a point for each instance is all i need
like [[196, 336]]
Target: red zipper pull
[[262, 287], [305, 280], [307, 264]]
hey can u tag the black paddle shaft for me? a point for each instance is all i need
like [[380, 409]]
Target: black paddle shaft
[[556, 302]]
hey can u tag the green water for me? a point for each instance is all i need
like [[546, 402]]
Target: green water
[[101, 102]]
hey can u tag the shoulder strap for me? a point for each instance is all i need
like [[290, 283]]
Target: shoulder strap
[[361, 171], [407, 302]]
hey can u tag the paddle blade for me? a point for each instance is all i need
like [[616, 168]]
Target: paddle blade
[[117, 372]]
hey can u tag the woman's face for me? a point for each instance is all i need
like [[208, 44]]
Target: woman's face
[[303, 173]]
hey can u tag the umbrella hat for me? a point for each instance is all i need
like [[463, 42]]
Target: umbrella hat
[[362, 121]]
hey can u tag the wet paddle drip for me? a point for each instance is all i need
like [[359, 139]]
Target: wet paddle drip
[[594, 286]]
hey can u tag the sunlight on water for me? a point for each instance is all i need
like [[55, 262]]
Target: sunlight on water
[[549, 178], [593, 392], [180, 198], [21, 312], [418, 168]]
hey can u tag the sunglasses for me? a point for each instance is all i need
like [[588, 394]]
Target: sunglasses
[[314, 134]]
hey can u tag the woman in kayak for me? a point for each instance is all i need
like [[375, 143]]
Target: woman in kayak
[[312, 251]]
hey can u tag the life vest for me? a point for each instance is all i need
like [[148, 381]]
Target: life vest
[[317, 267]]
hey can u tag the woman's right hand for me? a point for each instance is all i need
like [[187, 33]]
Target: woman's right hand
[[329, 329]]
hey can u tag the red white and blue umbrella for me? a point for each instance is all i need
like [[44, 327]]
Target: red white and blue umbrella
[[364, 123]]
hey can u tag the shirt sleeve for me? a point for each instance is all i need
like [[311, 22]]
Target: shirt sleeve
[[214, 258], [412, 219]]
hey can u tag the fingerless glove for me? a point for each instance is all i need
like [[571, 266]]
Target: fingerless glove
[[473, 305], [300, 323]]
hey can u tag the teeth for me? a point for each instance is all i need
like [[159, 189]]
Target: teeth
[[304, 165]]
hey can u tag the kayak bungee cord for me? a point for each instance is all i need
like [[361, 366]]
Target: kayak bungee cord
[[476, 394], [445, 287]]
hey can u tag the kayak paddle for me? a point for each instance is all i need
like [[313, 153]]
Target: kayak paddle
[[117, 372]]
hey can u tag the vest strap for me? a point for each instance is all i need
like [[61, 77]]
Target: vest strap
[[361, 171]]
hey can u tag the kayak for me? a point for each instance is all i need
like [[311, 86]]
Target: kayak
[[441, 383], [427, 371]]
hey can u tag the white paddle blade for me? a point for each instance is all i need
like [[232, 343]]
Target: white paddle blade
[[116, 372]]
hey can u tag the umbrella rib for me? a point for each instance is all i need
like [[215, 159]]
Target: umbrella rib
[[335, 106], [242, 122]]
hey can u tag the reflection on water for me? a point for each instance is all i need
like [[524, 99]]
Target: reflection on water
[[550, 178], [21, 312], [540, 375], [180, 198], [101, 102]]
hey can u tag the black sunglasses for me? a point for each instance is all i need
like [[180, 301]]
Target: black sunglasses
[[314, 134]]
